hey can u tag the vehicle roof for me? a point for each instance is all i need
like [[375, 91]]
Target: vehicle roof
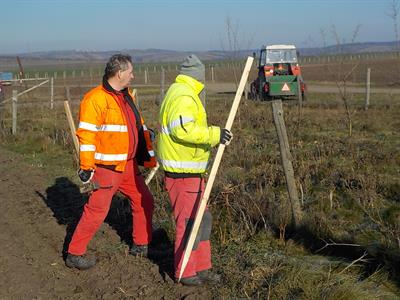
[[276, 47]]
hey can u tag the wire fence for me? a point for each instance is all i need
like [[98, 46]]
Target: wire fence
[[22, 98], [148, 71]]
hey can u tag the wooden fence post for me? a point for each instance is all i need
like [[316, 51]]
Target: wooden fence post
[[67, 93], [51, 93], [162, 92], [300, 97], [212, 74], [14, 111], [286, 158], [368, 88], [145, 76]]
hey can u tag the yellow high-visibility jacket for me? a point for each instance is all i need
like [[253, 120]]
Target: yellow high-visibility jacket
[[103, 133], [185, 139]]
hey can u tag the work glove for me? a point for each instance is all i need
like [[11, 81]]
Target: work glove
[[225, 137], [85, 175], [152, 134]]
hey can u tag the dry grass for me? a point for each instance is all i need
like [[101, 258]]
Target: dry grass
[[350, 194]]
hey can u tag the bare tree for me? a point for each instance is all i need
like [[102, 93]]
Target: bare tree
[[336, 36], [233, 44], [342, 77], [394, 15], [355, 33], [323, 36]]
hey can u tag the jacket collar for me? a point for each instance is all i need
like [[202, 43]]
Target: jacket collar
[[109, 88], [197, 86]]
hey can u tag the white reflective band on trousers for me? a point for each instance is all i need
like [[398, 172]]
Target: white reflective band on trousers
[[178, 122], [104, 127], [87, 148], [111, 157], [184, 164]]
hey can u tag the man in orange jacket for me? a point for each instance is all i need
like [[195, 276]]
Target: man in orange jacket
[[113, 141]]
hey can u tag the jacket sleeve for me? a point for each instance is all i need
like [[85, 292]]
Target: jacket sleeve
[[183, 127], [89, 124]]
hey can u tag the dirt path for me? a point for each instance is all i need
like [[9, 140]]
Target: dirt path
[[313, 88], [36, 219]]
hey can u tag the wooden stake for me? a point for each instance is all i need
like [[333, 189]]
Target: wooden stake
[[162, 85], [287, 161], [368, 89], [14, 111], [214, 169], [152, 173], [72, 128], [51, 92], [135, 97]]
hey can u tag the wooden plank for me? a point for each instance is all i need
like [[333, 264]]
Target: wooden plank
[[214, 169]]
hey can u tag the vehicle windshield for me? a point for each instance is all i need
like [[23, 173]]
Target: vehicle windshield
[[279, 56]]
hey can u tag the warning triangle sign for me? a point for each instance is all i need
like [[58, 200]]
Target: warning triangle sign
[[285, 88]]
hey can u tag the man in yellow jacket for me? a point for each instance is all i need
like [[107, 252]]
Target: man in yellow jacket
[[113, 141], [184, 144]]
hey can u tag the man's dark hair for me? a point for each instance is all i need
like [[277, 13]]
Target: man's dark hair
[[117, 62]]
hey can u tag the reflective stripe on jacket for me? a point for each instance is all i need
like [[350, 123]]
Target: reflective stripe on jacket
[[185, 139], [103, 133]]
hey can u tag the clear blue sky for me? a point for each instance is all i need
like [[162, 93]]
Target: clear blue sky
[[29, 25]]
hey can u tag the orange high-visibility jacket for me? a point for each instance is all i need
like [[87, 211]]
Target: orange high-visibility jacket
[[103, 133]]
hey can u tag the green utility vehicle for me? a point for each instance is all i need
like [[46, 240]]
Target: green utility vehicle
[[279, 74]]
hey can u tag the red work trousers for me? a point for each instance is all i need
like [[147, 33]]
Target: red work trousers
[[131, 184], [185, 195]]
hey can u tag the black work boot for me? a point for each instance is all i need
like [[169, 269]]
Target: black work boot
[[139, 250], [191, 281], [209, 276], [79, 261]]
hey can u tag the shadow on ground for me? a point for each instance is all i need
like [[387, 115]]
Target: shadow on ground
[[372, 257], [67, 203]]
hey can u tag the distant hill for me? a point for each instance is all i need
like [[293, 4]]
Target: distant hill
[[160, 55], [351, 48], [147, 55]]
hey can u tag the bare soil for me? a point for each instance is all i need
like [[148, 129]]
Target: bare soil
[[36, 221]]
